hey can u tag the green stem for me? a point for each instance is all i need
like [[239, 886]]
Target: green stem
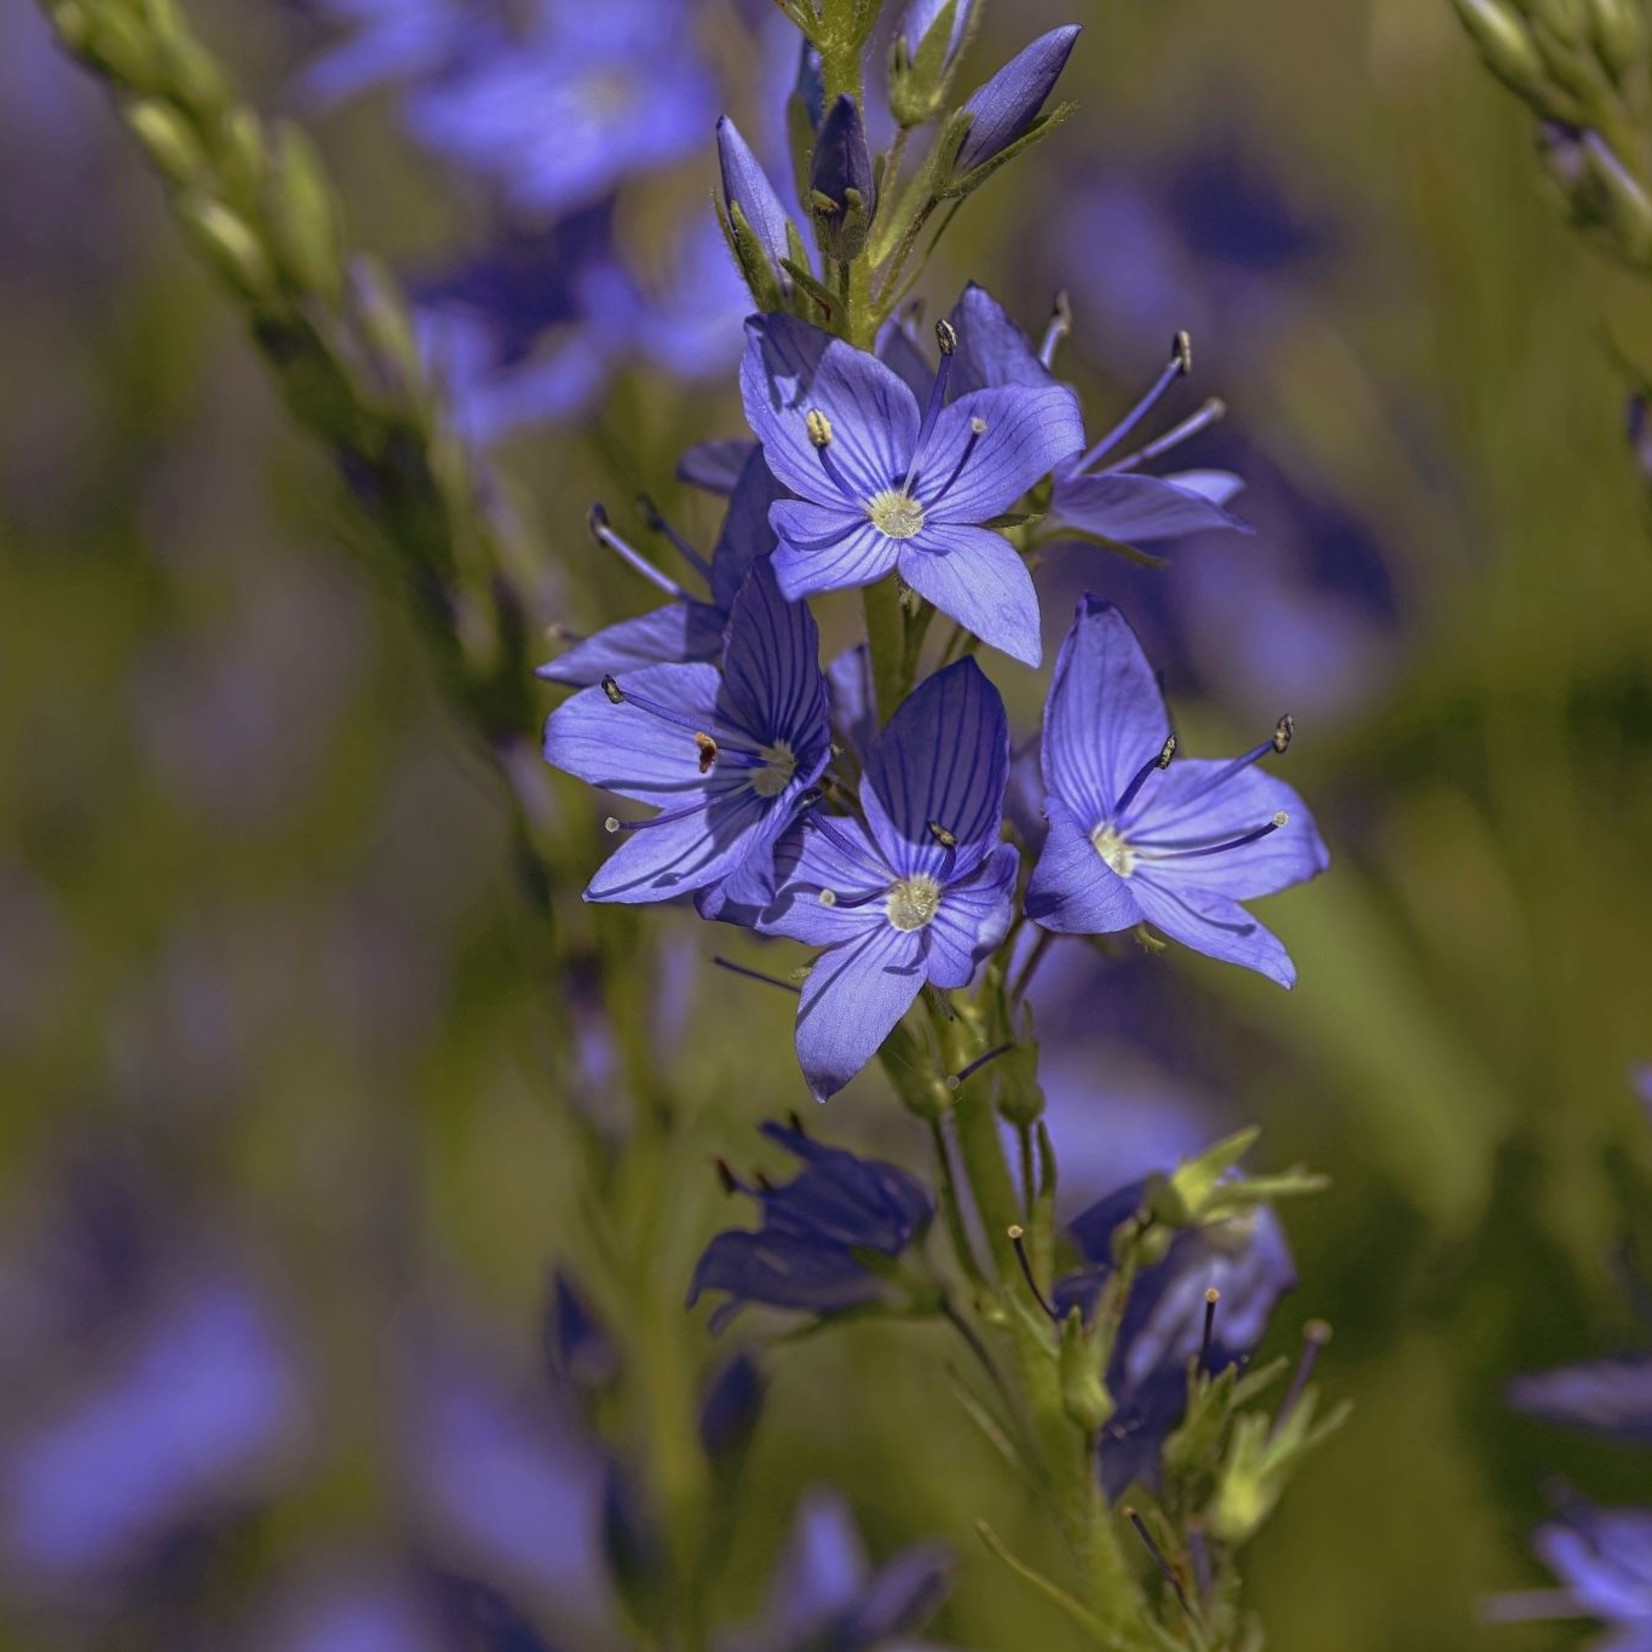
[[886, 638]]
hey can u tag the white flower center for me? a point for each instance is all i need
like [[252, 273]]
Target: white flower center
[[896, 513], [1113, 849], [779, 765], [914, 901]]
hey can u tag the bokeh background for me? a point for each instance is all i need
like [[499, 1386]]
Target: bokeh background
[[281, 1185]]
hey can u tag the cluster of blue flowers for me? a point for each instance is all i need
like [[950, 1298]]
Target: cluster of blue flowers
[[887, 850]]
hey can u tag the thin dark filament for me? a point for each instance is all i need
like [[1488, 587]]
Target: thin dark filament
[[1155, 762], [605, 536], [757, 975], [1192, 851], [658, 523], [937, 400]]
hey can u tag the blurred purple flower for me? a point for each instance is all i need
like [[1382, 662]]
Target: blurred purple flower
[[1603, 1560], [1008, 106], [1245, 1258], [805, 1255], [1612, 1397], [826, 1596]]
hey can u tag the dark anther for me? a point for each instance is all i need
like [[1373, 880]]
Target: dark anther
[[1168, 749], [596, 519], [946, 337], [708, 752], [1282, 732], [727, 1177], [612, 689], [946, 839], [1181, 349]]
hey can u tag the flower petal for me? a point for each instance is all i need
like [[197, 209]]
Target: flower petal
[[676, 633], [943, 761], [899, 351], [973, 918], [992, 350], [781, 1271], [746, 533], [715, 466], [977, 577], [1133, 508], [1181, 811], [657, 862], [746, 185], [970, 474], [1073, 890], [1214, 925], [624, 749], [836, 856], [790, 370], [1105, 716], [852, 1001], [773, 689], [827, 547]]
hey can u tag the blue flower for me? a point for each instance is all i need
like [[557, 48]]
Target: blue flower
[[1135, 837], [1612, 1397], [686, 628], [1245, 1258], [746, 186], [922, 892], [727, 759], [827, 1597], [731, 1407], [921, 16], [843, 192], [883, 488], [1008, 106], [1603, 1559], [582, 98], [1097, 490], [807, 1255], [578, 1349]]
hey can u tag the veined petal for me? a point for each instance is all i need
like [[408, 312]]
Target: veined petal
[[1218, 486], [676, 857], [790, 370], [852, 1000], [624, 750], [715, 466], [746, 533], [973, 918], [1131, 508], [992, 350], [1180, 813], [898, 350], [1212, 924], [746, 185], [1073, 891], [852, 698], [827, 548], [1105, 716], [836, 857], [779, 1270], [676, 633], [772, 687], [977, 577], [989, 447], [940, 766]]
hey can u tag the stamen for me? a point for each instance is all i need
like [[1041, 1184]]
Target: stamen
[[1212, 410], [1212, 1297], [665, 818], [946, 340], [959, 1079], [656, 523], [1148, 850], [1018, 1238], [656, 708], [1181, 362], [1315, 1334], [755, 975], [1158, 761], [612, 689], [827, 897], [730, 1182], [977, 429], [1275, 745], [946, 839], [1282, 732], [1061, 324], [819, 428], [597, 520], [1135, 1519], [820, 433], [708, 751]]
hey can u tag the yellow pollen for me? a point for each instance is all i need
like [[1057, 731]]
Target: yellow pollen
[[1113, 849], [895, 513], [819, 428], [913, 901], [779, 765]]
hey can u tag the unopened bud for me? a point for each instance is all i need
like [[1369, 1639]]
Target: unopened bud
[[1504, 42], [167, 139], [229, 245]]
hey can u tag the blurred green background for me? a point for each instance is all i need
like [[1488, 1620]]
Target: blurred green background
[[261, 943]]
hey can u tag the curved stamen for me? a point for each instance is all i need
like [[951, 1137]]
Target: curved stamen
[[725, 743], [1274, 746], [1061, 324], [820, 435], [1180, 363], [597, 520], [1146, 849], [977, 429], [1159, 761], [655, 522], [947, 341], [1212, 410], [665, 818]]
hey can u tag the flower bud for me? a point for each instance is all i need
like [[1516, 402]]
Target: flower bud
[[731, 1409], [1008, 107], [1084, 1395], [757, 220], [304, 216], [1502, 38], [167, 139], [928, 44], [228, 244], [1620, 33], [841, 190]]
